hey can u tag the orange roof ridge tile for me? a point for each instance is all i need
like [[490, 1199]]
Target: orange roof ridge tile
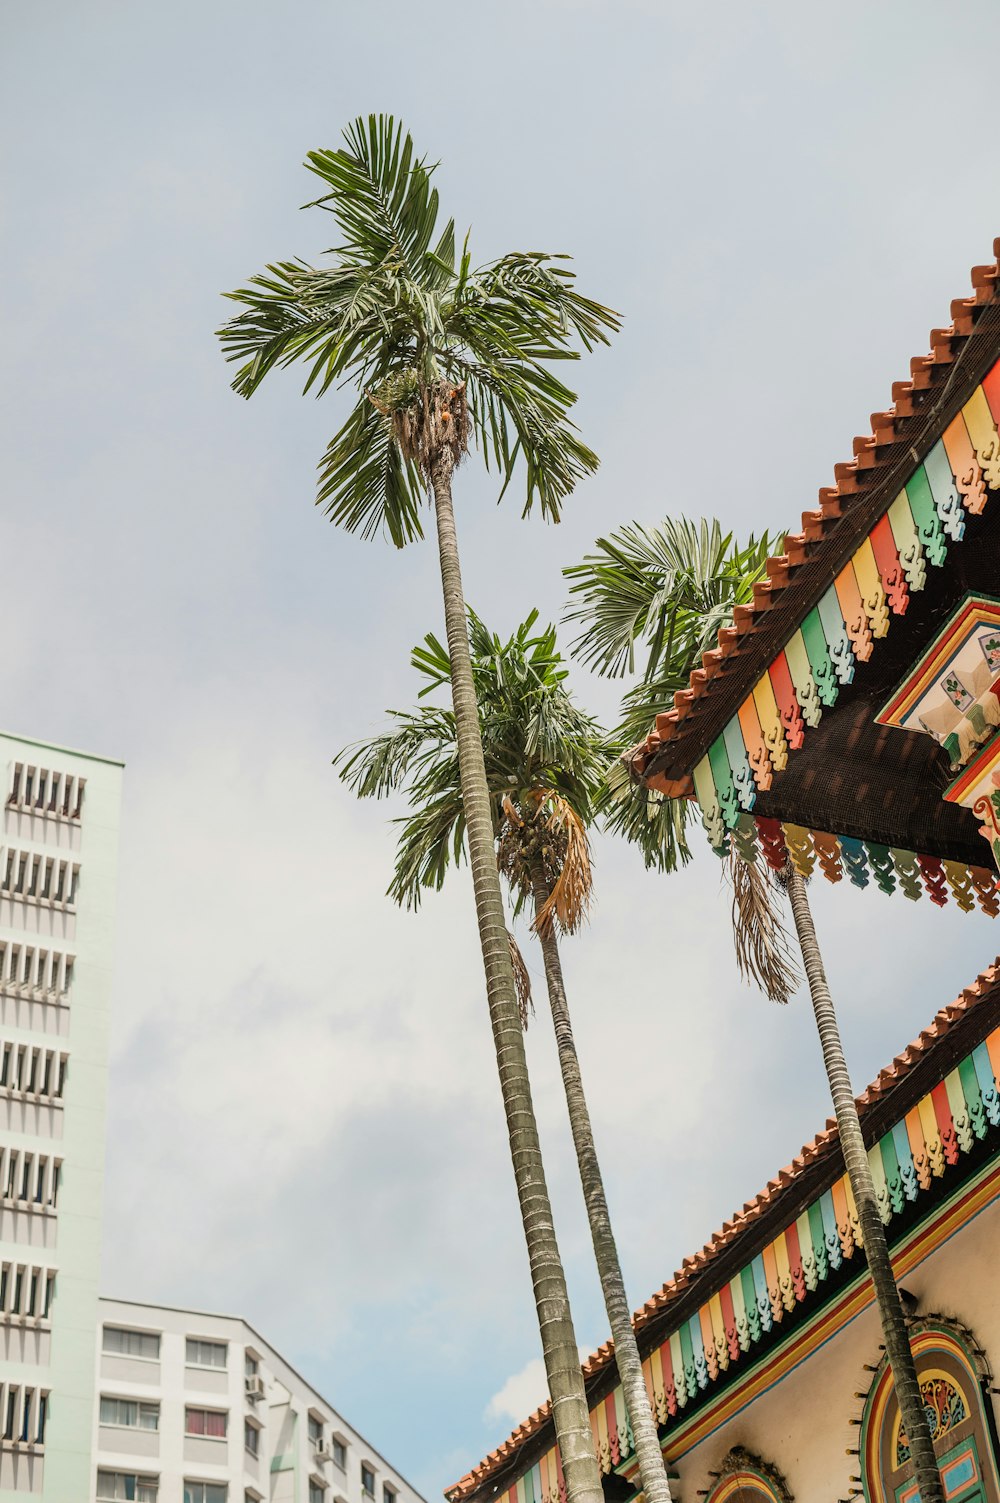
[[944, 1019]]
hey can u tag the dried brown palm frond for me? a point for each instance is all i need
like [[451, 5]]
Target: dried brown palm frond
[[763, 949], [568, 845], [522, 982]]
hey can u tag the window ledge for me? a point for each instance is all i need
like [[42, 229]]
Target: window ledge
[[42, 811], [62, 905], [48, 995]]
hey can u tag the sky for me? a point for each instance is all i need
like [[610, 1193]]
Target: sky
[[304, 1121]]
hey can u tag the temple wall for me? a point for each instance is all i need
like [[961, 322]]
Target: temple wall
[[803, 1425]]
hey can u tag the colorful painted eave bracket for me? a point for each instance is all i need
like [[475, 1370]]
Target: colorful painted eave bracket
[[864, 863], [823, 653], [917, 1151]]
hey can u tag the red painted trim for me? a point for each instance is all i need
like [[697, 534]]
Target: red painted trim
[[991, 387], [788, 706]]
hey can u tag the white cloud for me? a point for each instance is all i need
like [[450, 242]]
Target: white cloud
[[522, 1393]]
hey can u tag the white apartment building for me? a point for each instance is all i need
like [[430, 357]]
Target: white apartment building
[[58, 865], [198, 1408]]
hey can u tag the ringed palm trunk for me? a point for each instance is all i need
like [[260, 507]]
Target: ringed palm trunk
[[652, 1472], [890, 1308], [570, 1414]]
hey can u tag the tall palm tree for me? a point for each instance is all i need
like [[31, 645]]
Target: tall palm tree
[[545, 760], [763, 957], [439, 353], [675, 595]]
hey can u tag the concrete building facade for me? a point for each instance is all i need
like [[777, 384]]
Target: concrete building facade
[[199, 1408], [58, 868]]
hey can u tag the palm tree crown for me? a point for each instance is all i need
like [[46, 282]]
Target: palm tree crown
[[666, 591], [434, 347], [545, 761]]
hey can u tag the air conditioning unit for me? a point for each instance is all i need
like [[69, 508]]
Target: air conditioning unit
[[322, 1451], [254, 1387]]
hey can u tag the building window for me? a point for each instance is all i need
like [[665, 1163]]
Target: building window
[[33, 877], [26, 1290], [205, 1492], [251, 1367], [205, 1353], [315, 1432], [31, 1180], [339, 1453], [251, 1438], [130, 1414], [952, 1382], [127, 1487], [26, 968], [367, 1480], [30, 1070], [23, 1413], [38, 789], [317, 1491], [388, 1493], [208, 1422], [123, 1343]]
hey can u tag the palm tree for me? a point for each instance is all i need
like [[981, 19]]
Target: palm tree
[[545, 761], [675, 594], [440, 352], [667, 590], [763, 957]]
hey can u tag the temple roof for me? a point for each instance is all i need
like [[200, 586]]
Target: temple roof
[[864, 490], [926, 1061]]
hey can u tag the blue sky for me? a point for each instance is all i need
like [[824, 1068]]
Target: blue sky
[[304, 1123]]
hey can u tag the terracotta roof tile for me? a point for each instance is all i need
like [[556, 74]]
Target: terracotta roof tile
[[853, 478], [823, 1144]]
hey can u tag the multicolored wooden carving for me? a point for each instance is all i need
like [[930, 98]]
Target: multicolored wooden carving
[[864, 862], [952, 693], [856, 610], [789, 1271]]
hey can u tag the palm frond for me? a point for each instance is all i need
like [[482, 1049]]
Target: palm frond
[[365, 484], [380, 193], [522, 982], [571, 892], [658, 826], [764, 952], [668, 587]]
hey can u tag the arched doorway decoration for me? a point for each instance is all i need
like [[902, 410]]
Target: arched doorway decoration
[[745, 1478], [954, 1381]]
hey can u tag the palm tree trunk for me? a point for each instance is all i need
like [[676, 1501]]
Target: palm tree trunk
[[562, 1361], [652, 1472], [890, 1308]]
